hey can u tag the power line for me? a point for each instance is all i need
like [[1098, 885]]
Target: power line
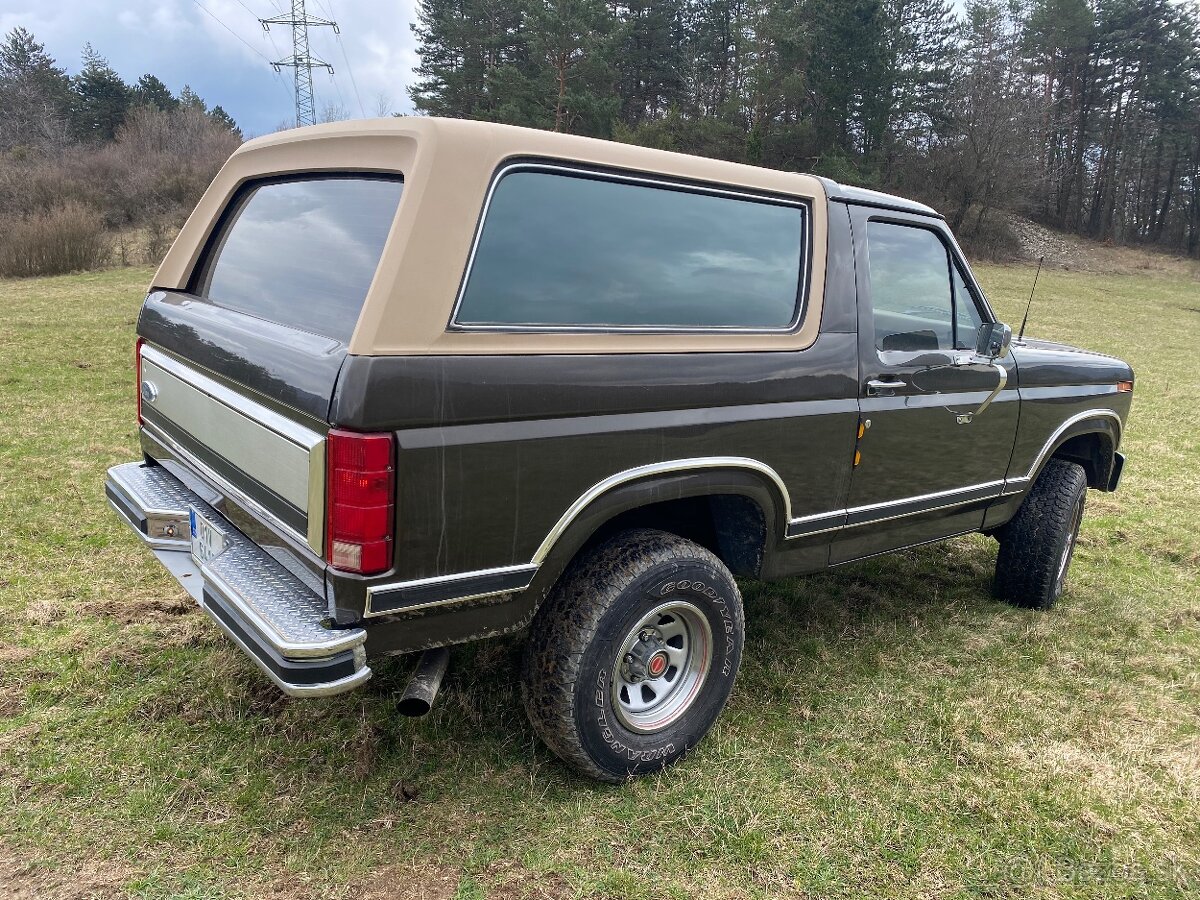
[[349, 69], [247, 9], [271, 39], [252, 48], [230, 30], [341, 100]]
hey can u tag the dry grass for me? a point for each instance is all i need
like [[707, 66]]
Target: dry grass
[[894, 733]]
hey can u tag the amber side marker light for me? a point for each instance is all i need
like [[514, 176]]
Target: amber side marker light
[[359, 502], [1124, 387]]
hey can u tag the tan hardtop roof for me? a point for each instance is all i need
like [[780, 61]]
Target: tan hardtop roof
[[518, 141], [448, 166]]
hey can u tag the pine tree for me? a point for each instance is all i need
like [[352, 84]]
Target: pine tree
[[225, 120], [35, 94], [918, 69], [189, 99], [475, 61], [150, 91], [100, 99], [649, 47], [567, 46], [848, 76]]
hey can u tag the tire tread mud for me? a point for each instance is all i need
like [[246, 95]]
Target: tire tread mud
[[1031, 544], [568, 624]]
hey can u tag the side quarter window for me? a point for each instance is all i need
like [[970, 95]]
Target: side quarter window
[[568, 250], [911, 292]]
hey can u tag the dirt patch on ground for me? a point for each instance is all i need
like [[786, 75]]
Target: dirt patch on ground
[[408, 882], [11, 654], [1076, 254], [12, 702], [502, 880], [24, 879], [1035, 241], [509, 880], [141, 612]]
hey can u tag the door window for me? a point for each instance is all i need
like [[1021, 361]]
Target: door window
[[966, 314], [910, 288]]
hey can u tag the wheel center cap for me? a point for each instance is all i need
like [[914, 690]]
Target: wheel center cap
[[647, 658], [657, 664]]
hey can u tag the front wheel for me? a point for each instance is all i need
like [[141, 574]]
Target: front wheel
[[1036, 547], [634, 654]]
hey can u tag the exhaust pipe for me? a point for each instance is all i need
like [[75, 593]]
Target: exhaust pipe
[[422, 689]]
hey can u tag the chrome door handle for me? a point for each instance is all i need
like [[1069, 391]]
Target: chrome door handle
[[877, 385]]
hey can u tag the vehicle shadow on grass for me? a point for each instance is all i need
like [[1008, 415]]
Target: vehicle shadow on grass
[[874, 608]]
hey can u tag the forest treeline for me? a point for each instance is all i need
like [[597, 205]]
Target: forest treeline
[[94, 169], [1082, 114]]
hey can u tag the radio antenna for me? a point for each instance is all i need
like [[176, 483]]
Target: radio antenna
[[1021, 335]]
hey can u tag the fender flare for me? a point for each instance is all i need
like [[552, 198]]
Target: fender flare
[[1104, 422], [656, 474], [645, 485]]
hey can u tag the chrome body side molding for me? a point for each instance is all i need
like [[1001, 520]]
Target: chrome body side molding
[[922, 503], [439, 591], [1019, 483], [425, 593]]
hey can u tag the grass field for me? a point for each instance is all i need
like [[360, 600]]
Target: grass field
[[894, 731]]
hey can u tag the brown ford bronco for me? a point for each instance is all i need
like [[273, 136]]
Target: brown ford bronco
[[408, 383]]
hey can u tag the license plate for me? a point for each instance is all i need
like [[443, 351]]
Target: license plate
[[208, 541]]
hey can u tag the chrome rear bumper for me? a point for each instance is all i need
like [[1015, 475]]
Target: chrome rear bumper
[[267, 611]]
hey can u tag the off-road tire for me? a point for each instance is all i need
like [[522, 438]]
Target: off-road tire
[[1037, 545], [571, 656]]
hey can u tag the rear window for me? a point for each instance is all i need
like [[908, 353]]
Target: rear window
[[303, 252], [564, 251]]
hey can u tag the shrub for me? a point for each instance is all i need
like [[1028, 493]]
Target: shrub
[[990, 237], [69, 238], [149, 177]]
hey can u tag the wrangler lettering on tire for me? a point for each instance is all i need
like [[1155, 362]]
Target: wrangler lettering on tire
[[633, 656]]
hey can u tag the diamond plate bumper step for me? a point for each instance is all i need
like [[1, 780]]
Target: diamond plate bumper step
[[264, 608]]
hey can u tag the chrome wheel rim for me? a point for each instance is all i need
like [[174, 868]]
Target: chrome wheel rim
[[661, 667], [1069, 549]]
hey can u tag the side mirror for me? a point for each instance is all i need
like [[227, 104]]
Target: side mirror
[[993, 340]]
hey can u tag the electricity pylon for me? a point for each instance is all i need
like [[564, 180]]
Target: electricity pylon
[[301, 60]]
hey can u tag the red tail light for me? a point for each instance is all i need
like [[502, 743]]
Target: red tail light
[[137, 368], [359, 501]]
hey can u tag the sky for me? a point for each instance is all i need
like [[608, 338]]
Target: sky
[[219, 49]]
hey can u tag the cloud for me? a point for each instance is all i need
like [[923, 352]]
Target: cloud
[[219, 49]]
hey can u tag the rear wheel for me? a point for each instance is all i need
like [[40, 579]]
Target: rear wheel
[[1037, 546], [634, 654]]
